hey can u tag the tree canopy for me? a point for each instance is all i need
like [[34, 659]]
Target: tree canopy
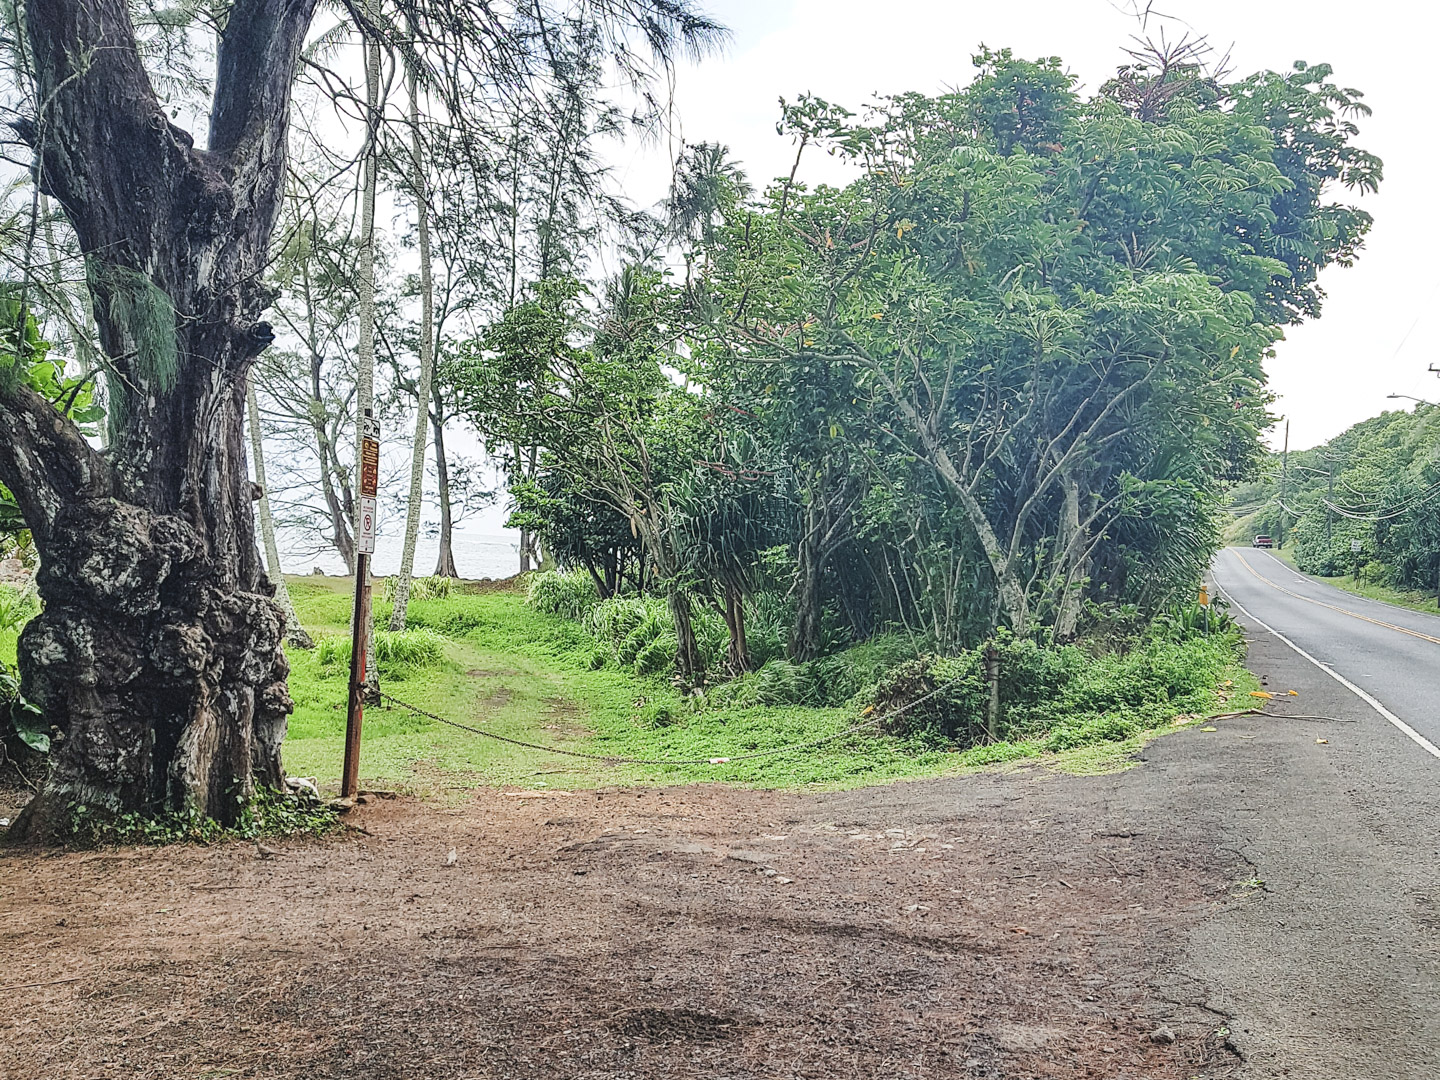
[[1057, 307], [1002, 376]]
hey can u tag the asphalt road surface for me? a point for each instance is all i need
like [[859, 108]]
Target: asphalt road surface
[[1333, 971], [1390, 653]]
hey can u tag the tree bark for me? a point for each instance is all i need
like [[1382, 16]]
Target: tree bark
[[158, 651], [525, 551], [427, 367], [294, 632], [737, 654], [804, 641], [687, 652], [445, 562], [1072, 552], [805, 634]]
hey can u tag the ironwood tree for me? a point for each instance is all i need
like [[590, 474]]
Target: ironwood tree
[[158, 654]]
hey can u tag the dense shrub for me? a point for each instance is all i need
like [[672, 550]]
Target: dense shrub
[[1323, 547], [1065, 694], [611, 621], [712, 637], [657, 657], [768, 618], [570, 593], [831, 680], [840, 676], [782, 683], [943, 697], [635, 631]]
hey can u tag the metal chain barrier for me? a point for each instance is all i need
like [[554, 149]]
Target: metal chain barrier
[[853, 729], [610, 759]]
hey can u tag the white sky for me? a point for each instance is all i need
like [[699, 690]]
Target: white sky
[[1328, 374]]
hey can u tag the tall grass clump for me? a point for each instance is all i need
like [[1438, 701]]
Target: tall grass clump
[[768, 618], [424, 588], [638, 632], [396, 653], [626, 627]]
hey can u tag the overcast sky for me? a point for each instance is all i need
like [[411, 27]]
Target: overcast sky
[[1328, 374]]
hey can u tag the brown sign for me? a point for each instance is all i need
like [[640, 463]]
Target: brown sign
[[369, 467]]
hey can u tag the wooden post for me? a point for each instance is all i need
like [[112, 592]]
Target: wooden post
[[992, 676], [361, 615], [355, 708]]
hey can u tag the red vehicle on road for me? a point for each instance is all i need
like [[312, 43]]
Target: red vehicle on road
[[1263, 541]]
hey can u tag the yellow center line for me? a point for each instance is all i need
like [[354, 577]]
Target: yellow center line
[[1343, 611]]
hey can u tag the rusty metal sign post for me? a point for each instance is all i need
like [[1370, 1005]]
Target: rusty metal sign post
[[364, 548]]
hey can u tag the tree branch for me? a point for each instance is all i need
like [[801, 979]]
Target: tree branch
[[254, 71], [44, 460]]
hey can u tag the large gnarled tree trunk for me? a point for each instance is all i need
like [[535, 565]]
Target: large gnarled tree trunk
[[158, 651]]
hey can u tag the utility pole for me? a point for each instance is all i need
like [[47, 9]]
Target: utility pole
[[359, 630], [1329, 502], [1284, 481]]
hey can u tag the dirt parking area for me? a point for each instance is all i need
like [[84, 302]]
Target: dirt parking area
[[1000, 926]]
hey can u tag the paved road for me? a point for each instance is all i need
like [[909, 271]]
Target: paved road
[[1332, 972], [1391, 653]]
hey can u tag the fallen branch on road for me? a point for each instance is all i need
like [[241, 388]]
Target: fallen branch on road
[[1282, 716]]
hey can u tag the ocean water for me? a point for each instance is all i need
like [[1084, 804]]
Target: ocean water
[[477, 555]]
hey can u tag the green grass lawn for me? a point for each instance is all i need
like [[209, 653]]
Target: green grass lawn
[[1417, 601], [519, 673]]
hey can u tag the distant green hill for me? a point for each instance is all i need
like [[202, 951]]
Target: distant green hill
[[1378, 483]]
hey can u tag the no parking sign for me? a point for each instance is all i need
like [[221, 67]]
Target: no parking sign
[[369, 482]]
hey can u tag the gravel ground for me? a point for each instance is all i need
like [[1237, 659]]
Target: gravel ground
[[999, 926], [1267, 892]]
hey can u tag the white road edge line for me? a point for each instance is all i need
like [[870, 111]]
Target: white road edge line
[[1419, 740]]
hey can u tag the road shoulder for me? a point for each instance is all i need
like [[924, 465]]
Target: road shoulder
[[1331, 968]]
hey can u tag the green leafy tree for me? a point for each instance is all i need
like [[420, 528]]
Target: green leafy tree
[[728, 511], [607, 420], [1059, 306], [578, 530]]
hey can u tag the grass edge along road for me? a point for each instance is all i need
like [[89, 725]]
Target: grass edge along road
[[488, 659], [1370, 590]]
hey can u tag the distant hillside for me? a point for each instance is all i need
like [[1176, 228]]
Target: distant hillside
[[1378, 483]]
